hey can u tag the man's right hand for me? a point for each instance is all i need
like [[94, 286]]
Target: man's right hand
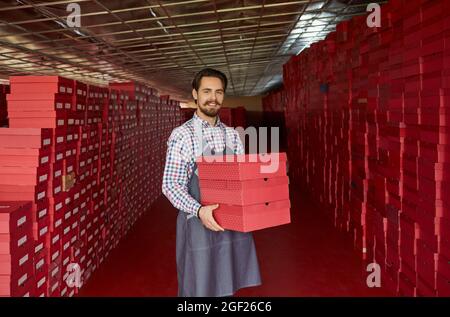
[[206, 216]]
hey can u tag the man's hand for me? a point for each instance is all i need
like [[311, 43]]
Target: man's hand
[[206, 216]]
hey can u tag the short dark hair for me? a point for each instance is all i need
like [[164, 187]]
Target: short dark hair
[[209, 72]]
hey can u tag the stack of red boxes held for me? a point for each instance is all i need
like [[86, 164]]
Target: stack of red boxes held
[[16, 250], [4, 90], [251, 190]]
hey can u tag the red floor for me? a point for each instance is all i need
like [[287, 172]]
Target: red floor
[[305, 258]]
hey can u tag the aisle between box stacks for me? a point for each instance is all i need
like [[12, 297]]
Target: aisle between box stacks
[[308, 257]]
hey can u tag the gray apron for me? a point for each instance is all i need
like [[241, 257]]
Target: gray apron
[[212, 263]]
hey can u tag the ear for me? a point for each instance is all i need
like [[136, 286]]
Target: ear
[[195, 95]]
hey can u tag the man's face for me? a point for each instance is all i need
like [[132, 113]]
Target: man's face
[[209, 96]]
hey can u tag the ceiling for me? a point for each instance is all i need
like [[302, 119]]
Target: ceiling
[[164, 43]]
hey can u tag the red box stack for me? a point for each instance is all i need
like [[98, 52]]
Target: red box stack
[[91, 170], [375, 103], [249, 197], [4, 90], [16, 249], [40, 102]]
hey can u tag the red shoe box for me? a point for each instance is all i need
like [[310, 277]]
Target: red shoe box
[[41, 285], [432, 82], [39, 102], [406, 287], [434, 152], [67, 235], [38, 119], [432, 189], [41, 275], [24, 175], [40, 264], [242, 167], [436, 207], [55, 278], [443, 247], [32, 138], [65, 260], [253, 217], [15, 218], [55, 187], [442, 285], [25, 157], [443, 228], [40, 84], [435, 117], [18, 263], [17, 286], [71, 150], [424, 289], [57, 209], [443, 267], [433, 171], [244, 192], [80, 89], [41, 227], [54, 247], [426, 262], [408, 269], [67, 291]]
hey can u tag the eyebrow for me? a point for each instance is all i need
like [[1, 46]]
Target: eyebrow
[[209, 89]]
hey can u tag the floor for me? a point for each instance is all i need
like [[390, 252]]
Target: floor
[[308, 257]]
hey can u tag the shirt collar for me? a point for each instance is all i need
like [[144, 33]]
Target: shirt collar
[[205, 124]]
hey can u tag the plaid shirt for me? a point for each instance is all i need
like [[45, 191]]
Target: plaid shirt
[[180, 159]]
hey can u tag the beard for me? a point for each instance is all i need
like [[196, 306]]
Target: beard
[[210, 111]]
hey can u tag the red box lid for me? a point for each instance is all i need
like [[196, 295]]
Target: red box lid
[[242, 167]]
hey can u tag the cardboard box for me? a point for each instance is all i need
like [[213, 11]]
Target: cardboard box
[[15, 218], [243, 167], [253, 217], [17, 286], [24, 175], [12, 244], [244, 192], [16, 262], [32, 138], [39, 102], [25, 157], [41, 227], [41, 84]]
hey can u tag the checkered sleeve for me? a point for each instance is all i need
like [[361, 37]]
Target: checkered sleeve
[[179, 165]]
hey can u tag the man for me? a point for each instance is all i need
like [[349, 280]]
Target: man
[[211, 261]]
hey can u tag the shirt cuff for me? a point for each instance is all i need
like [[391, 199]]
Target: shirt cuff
[[197, 209]]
